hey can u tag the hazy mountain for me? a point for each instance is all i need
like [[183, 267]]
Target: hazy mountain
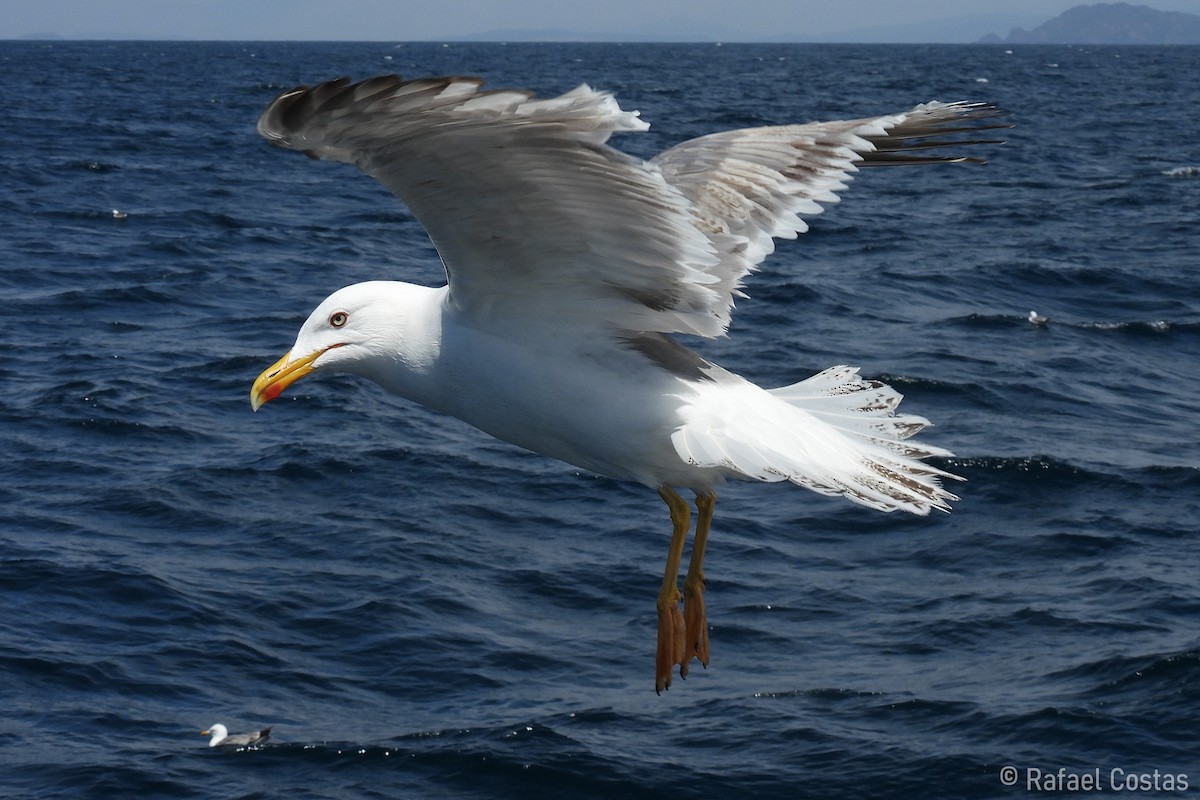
[[1110, 23], [961, 29], [658, 30]]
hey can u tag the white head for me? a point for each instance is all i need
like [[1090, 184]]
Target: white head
[[218, 732], [366, 329]]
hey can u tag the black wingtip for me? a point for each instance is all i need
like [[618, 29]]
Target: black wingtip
[[935, 128]]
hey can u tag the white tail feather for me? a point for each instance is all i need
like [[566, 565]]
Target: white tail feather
[[834, 433]]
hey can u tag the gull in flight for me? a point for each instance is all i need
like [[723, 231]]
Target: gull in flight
[[570, 268]]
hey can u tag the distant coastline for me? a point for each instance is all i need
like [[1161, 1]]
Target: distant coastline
[[1109, 23]]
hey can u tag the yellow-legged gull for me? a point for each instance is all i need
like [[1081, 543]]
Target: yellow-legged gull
[[570, 265]]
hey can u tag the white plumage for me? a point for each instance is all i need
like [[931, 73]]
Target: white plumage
[[569, 266]]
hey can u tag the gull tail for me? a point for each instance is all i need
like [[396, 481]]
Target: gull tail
[[835, 433]]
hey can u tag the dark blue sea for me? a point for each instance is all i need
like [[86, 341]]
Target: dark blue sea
[[423, 612]]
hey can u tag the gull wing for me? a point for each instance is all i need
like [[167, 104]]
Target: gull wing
[[536, 217], [750, 187]]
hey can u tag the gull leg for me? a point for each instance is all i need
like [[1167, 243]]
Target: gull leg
[[696, 620], [671, 626]]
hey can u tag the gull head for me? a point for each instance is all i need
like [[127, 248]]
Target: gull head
[[361, 329], [218, 732]]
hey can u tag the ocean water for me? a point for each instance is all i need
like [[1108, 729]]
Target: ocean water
[[420, 611]]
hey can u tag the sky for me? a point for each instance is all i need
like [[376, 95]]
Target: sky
[[413, 20]]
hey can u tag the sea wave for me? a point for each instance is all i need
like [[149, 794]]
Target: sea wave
[[1190, 171]]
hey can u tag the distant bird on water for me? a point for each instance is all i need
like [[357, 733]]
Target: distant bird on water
[[569, 266], [221, 737], [1037, 319]]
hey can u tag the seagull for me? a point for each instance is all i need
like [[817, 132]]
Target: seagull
[[221, 737], [571, 266], [1037, 319]]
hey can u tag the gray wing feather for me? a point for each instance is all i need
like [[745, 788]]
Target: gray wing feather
[[533, 214]]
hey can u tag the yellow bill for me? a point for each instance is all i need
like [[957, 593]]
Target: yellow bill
[[280, 375]]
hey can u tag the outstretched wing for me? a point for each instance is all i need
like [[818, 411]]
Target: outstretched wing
[[749, 187], [535, 216]]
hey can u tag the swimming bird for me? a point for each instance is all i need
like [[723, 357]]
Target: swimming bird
[[1037, 319], [570, 267], [221, 737]]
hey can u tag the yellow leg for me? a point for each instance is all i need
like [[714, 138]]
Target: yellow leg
[[696, 620], [671, 626]]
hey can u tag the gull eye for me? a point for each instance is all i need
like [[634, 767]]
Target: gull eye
[[338, 318]]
